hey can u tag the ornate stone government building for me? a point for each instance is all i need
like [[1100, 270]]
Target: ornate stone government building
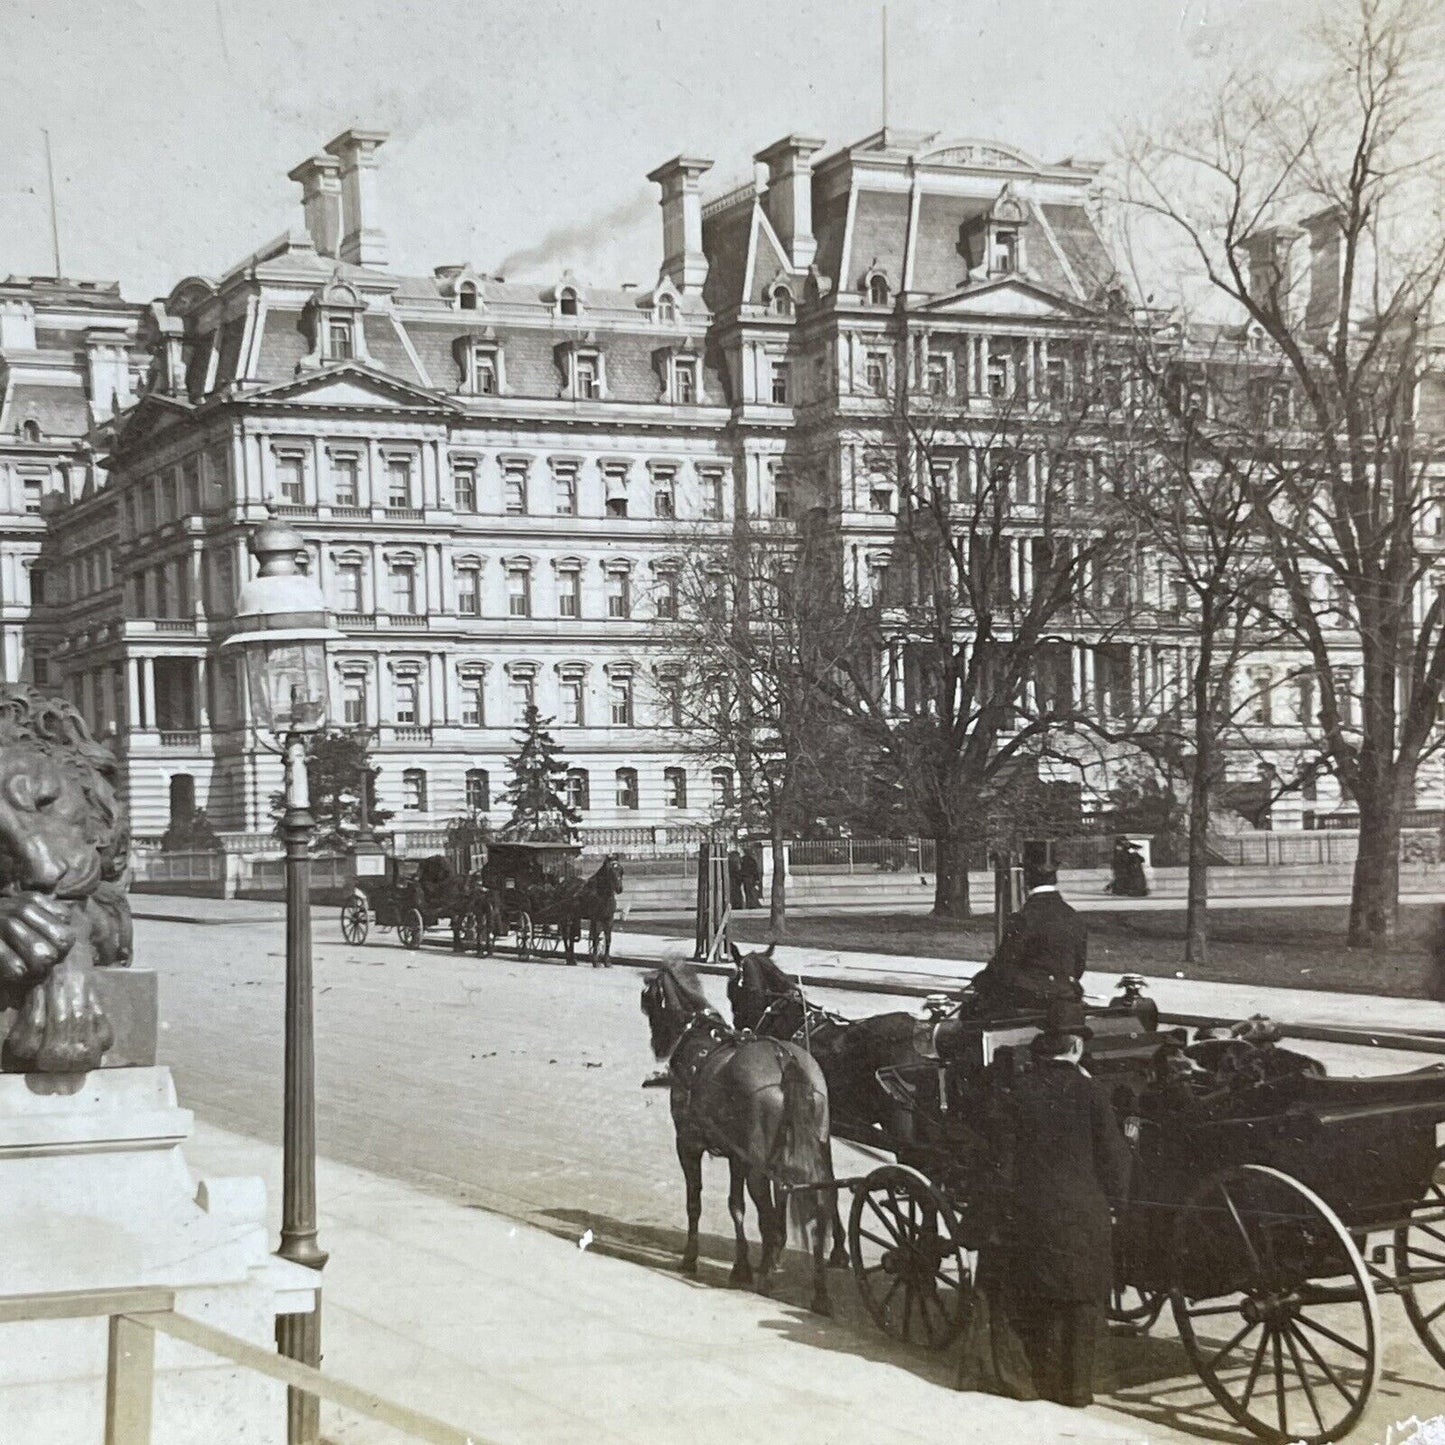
[[495, 479]]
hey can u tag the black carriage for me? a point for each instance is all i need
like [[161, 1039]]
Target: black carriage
[[414, 895], [1269, 1208], [531, 884]]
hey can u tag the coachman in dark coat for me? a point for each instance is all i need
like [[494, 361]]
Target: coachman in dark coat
[[1065, 1165], [1041, 956]]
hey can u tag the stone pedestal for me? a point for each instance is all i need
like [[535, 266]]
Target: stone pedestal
[[95, 1194]]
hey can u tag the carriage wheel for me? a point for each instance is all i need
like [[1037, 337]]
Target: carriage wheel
[[1134, 1310], [1420, 1263], [907, 1258], [355, 919], [547, 940], [524, 935], [483, 933], [409, 928], [1290, 1343], [466, 932]]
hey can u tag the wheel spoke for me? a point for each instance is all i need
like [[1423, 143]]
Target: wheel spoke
[[886, 1222], [1304, 1380], [1199, 1314], [1279, 1385], [1320, 1360], [874, 1238], [1215, 1358], [1329, 1334], [1434, 1314], [907, 1314], [1243, 1232], [888, 1298], [1254, 1370]]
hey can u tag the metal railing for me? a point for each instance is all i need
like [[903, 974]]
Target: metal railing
[[188, 867], [137, 1316]]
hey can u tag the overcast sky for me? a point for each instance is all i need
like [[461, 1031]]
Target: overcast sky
[[523, 130]]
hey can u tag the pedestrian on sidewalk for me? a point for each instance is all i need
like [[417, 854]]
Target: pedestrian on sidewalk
[[750, 875], [1042, 954], [1065, 1167]]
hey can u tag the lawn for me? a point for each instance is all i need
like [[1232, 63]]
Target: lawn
[[1280, 947]]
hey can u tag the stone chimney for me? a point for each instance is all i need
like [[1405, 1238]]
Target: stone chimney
[[107, 367], [789, 198], [320, 181], [683, 261], [1274, 267], [363, 242], [1326, 306]]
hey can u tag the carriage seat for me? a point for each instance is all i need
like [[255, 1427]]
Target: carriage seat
[[1418, 1086]]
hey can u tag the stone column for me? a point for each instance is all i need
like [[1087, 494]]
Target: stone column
[[148, 699], [132, 694], [203, 700]]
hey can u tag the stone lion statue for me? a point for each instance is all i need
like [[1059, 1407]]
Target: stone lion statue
[[64, 854]]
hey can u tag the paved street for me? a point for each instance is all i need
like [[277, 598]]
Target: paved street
[[514, 1087]]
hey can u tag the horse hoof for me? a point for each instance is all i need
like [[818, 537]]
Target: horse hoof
[[764, 1285], [741, 1279]]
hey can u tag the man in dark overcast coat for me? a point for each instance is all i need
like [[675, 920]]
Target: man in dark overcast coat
[[1042, 954], [1065, 1166]]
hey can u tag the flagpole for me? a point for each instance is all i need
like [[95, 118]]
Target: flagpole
[[54, 219]]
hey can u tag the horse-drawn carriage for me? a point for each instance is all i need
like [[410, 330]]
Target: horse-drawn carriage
[[417, 894], [1269, 1205], [543, 903]]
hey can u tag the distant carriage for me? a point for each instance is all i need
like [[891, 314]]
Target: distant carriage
[[418, 894], [543, 901]]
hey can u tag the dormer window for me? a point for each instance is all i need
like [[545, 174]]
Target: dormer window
[[1005, 258], [30, 431], [780, 301], [666, 310], [467, 296], [586, 383], [486, 380], [684, 381], [340, 339], [877, 286], [567, 304]]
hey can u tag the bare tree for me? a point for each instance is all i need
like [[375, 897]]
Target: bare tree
[[1307, 202], [1010, 563], [758, 624]]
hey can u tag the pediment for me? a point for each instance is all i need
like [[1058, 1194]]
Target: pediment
[[151, 415], [350, 384], [1013, 298]]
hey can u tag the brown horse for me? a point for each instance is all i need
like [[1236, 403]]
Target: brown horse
[[761, 1102]]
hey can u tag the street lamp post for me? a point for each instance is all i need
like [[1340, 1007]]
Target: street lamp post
[[282, 634]]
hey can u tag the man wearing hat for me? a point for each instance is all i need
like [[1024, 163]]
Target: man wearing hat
[[1064, 1159], [1041, 955]]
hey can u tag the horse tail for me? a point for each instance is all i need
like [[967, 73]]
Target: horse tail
[[800, 1152]]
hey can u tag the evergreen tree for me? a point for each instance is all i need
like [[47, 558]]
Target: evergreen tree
[[537, 789]]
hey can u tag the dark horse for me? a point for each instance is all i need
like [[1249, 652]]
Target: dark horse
[[597, 906], [566, 904], [761, 1102]]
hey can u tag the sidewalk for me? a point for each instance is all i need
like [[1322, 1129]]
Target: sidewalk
[[1178, 995], [529, 1340]]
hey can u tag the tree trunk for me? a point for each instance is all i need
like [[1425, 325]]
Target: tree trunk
[[778, 889], [950, 879], [1375, 895]]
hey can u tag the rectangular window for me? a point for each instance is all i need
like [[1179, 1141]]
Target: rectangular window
[[663, 504], [880, 499], [353, 702], [469, 592], [572, 701], [619, 693], [667, 596], [519, 592], [339, 341], [782, 495], [484, 371], [32, 497], [403, 590], [406, 701], [348, 587], [291, 477], [520, 692], [875, 372], [345, 479], [587, 382], [413, 790], [627, 788], [1056, 379], [674, 787], [997, 375], [472, 707], [569, 593], [479, 790], [937, 376], [514, 492], [780, 383], [564, 492], [398, 482], [619, 594], [670, 698], [464, 488], [1005, 252], [684, 382], [712, 496]]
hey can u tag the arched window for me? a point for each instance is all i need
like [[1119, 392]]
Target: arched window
[[413, 790], [575, 789], [479, 790], [781, 301], [722, 787], [31, 431], [674, 787], [877, 290], [627, 788], [467, 296], [183, 796], [567, 302]]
